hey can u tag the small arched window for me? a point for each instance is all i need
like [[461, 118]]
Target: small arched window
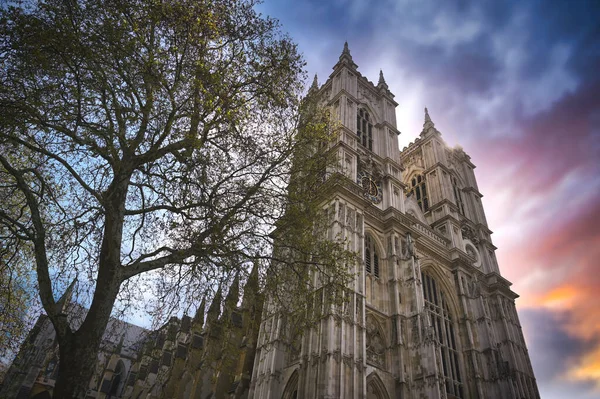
[[371, 256], [364, 129], [442, 327], [419, 189], [458, 195]]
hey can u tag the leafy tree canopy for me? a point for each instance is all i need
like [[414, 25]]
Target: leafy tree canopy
[[147, 136]]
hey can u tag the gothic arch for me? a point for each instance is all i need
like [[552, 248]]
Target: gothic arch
[[441, 311], [376, 388], [118, 379], [375, 235], [455, 173], [414, 171], [370, 110], [429, 267], [291, 388], [379, 248]]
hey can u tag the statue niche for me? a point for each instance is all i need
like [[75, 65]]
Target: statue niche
[[375, 343]]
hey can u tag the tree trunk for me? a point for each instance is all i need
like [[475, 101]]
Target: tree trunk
[[79, 350], [77, 364]]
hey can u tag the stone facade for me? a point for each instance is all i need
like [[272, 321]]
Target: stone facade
[[33, 372], [428, 315]]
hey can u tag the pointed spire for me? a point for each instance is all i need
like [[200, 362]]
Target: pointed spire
[[315, 83], [428, 124], [66, 297], [346, 58], [199, 316], [215, 307], [234, 292], [251, 289], [253, 277], [346, 49], [381, 82]]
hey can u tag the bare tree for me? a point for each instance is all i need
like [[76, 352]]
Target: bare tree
[[153, 136]]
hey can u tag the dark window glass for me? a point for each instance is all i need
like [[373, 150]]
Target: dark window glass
[[371, 256], [143, 372], [443, 328], [364, 129], [181, 352], [419, 189]]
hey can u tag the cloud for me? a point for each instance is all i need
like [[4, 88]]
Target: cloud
[[517, 85], [553, 351], [559, 275]]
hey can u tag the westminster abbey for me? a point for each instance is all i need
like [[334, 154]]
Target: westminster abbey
[[429, 316]]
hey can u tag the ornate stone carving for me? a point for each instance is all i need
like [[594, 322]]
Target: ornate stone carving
[[415, 330], [474, 289], [469, 234], [408, 248]]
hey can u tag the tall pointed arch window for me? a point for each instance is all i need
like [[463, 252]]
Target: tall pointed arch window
[[371, 256], [364, 129], [458, 195], [419, 190], [436, 307]]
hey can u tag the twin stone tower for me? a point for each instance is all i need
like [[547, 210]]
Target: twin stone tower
[[429, 316]]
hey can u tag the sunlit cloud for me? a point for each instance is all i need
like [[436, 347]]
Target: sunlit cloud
[[516, 84]]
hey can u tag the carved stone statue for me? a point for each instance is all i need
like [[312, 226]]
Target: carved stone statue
[[409, 249]]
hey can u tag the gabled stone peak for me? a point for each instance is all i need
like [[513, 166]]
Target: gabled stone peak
[[428, 125], [381, 83], [428, 122], [346, 51], [346, 59]]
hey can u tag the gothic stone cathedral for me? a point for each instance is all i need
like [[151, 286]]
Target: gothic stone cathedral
[[429, 316]]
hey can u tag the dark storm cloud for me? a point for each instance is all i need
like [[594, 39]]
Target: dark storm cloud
[[552, 349], [550, 346], [576, 23], [555, 142]]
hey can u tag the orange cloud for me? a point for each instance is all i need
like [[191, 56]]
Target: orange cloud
[[563, 297], [556, 269], [587, 368]]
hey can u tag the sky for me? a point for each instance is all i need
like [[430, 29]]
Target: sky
[[517, 85]]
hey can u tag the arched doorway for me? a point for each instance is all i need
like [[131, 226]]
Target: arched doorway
[[375, 388], [291, 388]]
